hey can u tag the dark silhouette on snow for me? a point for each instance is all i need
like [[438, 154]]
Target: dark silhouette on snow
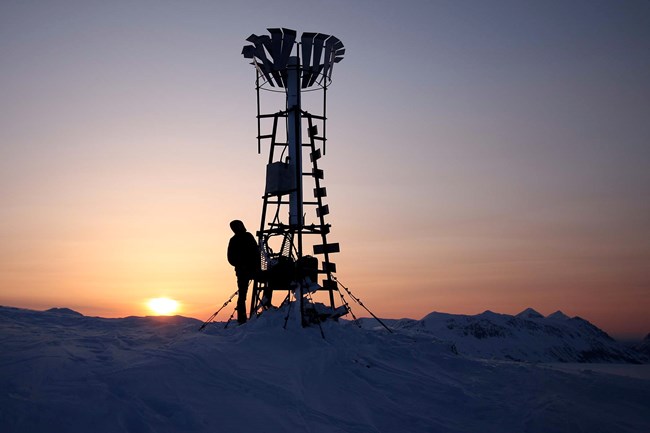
[[244, 255]]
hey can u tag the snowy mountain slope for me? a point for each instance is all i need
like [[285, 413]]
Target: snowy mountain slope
[[62, 372], [644, 346], [527, 336]]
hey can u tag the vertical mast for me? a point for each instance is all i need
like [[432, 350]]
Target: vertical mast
[[294, 137]]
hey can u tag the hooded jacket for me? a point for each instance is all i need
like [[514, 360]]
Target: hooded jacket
[[243, 252]]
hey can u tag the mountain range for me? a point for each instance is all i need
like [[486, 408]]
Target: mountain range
[[528, 336]]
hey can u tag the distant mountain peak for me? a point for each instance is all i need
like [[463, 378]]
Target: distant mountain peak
[[66, 311], [558, 315], [529, 313]]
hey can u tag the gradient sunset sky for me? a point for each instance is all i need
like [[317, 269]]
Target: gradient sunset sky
[[481, 154]]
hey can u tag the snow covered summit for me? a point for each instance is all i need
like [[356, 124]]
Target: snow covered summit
[[529, 313], [558, 315], [67, 311]]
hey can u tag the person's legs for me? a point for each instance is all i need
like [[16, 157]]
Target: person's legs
[[242, 286], [267, 294]]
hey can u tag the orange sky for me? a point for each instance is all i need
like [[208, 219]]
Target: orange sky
[[479, 157]]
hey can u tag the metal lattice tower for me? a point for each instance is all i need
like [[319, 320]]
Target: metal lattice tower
[[293, 227]]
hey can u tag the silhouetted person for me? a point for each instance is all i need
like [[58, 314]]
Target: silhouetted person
[[244, 255]]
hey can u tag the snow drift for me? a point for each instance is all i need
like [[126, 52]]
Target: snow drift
[[64, 372]]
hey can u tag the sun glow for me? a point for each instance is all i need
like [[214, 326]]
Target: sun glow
[[163, 306]]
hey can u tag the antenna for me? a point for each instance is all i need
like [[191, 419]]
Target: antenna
[[291, 224]]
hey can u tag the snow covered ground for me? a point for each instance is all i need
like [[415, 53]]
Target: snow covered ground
[[64, 372]]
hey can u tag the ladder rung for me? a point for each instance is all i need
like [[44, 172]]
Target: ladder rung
[[317, 229], [314, 116], [322, 211], [327, 248]]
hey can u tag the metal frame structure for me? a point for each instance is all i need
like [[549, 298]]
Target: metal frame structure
[[293, 67]]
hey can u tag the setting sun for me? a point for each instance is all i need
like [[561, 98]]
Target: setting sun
[[162, 306]]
